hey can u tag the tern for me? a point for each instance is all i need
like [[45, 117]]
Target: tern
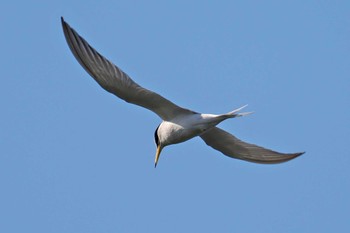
[[178, 124]]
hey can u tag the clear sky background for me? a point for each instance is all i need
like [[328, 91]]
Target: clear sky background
[[74, 158]]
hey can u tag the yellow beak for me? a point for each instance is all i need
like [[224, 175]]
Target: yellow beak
[[159, 149]]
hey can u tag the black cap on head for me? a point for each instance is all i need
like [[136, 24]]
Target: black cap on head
[[156, 138]]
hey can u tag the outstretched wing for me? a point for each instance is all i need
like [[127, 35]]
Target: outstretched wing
[[235, 148], [115, 81]]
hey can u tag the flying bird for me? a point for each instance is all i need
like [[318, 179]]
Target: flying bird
[[178, 124]]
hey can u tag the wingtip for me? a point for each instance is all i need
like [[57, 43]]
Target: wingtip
[[300, 153], [295, 155], [63, 23]]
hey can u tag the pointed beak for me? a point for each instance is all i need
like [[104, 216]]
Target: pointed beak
[[159, 149]]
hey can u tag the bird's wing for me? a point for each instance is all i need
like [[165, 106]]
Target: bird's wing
[[115, 81], [235, 148]]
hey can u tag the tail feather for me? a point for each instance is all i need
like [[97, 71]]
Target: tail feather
[[236, 113]]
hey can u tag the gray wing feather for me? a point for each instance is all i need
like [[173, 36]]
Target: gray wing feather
[[235, 148], [115, 81]]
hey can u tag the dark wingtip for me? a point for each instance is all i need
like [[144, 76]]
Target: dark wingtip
[[64, 24], [300, 153], [296, 155]]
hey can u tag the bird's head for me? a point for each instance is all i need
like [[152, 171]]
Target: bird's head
[[159, 146]]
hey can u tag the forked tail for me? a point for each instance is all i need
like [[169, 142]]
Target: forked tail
[[236, 113]]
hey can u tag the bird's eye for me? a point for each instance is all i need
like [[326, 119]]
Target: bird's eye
[[156, 138]]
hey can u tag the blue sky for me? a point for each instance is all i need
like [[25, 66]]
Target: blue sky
[[74, 158]]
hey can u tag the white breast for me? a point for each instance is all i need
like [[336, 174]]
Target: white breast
[[183, 128]]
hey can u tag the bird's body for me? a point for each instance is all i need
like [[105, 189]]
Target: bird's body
[[179, 130], [186, 127], [179, 124]]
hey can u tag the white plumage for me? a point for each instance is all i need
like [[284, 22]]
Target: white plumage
[[179, 124]]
